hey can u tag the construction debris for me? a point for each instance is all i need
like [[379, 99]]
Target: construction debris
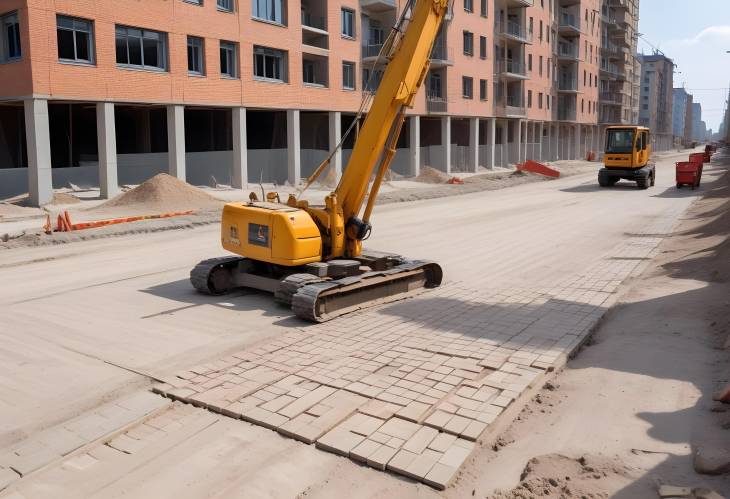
[[162, 193], [430, 175]]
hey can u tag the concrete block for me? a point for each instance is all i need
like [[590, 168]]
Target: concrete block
[[364, 449], [442, 442], [401, 461], [414, 411], [421, 439], [400, 428], [440, 475], [7, 476], [339, 441]]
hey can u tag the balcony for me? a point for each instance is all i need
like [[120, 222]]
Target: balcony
[[515, 31], [519, 3], [370, 52], [568, 84], [611, 98], [620, 4], [621, 38], [512, 70], [569, 25], [514, 107], [566, 113], [378, 5], [441, 56], [314, 71], [567, 52], [314, 29], [612, 52], [435, 104]]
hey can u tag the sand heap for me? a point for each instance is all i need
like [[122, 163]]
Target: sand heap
[[64, 198], [163, 193], [430, 175]]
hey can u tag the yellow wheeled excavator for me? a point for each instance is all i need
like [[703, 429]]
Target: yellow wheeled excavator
[[311, 257]]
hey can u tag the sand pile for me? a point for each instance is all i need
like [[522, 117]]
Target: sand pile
[[64, 198], [162, 193], [10, 210], [430, 175]]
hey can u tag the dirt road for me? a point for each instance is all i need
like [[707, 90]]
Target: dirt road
[[88, 322]]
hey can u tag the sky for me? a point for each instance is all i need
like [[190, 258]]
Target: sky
[[696, 35]]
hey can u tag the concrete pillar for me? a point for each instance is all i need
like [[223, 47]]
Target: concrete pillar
[[38, 141], [446, 141], [558, 151], [518, 140], [473, 144], [107, 145], [414, 151], [540, 131], [239, 175], [335, 134], [293, 147], [576, 141], [492, 141], [176, 141], [505, 144]]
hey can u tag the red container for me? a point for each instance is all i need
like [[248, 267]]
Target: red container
[[697, 157], [688, 173], [708, 156]]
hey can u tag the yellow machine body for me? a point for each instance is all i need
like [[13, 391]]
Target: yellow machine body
[[627, 147], [271, 232]]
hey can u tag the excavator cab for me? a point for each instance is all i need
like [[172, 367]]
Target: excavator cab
[[627, 153]]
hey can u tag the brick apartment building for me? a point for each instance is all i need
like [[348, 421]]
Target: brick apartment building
[[110, 92], [657, 96]]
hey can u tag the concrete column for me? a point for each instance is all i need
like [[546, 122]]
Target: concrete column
[[505, 144], [239, 175], [38, 141], [176, 141], [492, 141], [293, 147], [446, 141], [558, 151], [107, 145], [541, 129], [576, 141], [414, 151], [518, 140], [335, 134], [474, 144]]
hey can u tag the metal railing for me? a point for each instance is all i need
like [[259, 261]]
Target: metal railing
[[441, 52], [518, 31], [512, 67], [316, 22], [568, 51], [569, 84], [436, 104], [566, 113], [569, 21], [371, 50], [610, 98]]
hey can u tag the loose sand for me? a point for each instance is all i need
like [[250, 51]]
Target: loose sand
[[162, 193], [430, 175]]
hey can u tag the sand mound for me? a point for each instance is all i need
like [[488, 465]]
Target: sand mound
[[430, 175], [162, 193], [9, 210], [64, 198]]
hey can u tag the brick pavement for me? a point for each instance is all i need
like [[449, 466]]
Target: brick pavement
[[410, 387]]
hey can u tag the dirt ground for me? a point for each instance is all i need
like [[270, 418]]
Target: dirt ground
[[636, 404]]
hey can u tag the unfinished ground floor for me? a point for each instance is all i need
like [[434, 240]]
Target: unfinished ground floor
[[46, 144]]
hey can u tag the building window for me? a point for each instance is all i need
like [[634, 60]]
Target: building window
[[541, 26], [269, 64], [539, 100], [348, 23], [75, 39], [468, 43], [348, 75], [10, 37], [229, 59], [195, 56], [582, 105], [539, 67], [529, 98], [434, 86], [482, 89], [269, 10], [469, 5], [483, 8], [194, 2], [549, 98], [225, 5], [529, 62], [482, 47], [141, 48], [467, 83]]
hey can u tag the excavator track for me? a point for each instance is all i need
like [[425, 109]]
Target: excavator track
[[325, 300], [214, 276]]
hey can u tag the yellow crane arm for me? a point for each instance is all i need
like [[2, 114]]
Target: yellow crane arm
[[404, 74]]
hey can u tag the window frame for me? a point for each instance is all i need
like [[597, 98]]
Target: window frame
[[343, 11], [201, 55], [91, 40], [353, 72], [464, 81], [231, 47], [162, 45], [483, 8], [229, 7], [469, 5], [468, 35], [483, 89], [282, 64], [283, 12], [5, 23], [483, 43]]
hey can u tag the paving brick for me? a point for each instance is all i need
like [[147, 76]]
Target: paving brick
[[457, 453], [380, 458], [420, 466], [421, 439], [7, 476], [442, 442], [401, 460], [339, 441], [400, 428], [262, 417], [414, 411], [438, 419], [364, 449], [440, 475]]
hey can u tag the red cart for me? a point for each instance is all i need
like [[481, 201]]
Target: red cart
[[688, 173]]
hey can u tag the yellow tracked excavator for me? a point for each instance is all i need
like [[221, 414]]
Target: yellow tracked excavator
[[311, 257]]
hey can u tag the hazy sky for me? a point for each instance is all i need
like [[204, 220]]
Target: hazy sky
[[696, 35]]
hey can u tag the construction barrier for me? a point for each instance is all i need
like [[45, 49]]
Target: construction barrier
[[63, 222], [535, 167]]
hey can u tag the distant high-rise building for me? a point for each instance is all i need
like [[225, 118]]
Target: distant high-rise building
[[655, 104], [698, 126], [682, 115]]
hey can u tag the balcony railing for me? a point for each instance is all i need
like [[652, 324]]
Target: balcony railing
[[567, 51], [436, 104], [512, 67], [441, 54], [371, 50], [378, 5], [566, 113], [611, 98], [569, 84], [569, 21], [316, 22], [517, 31]]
